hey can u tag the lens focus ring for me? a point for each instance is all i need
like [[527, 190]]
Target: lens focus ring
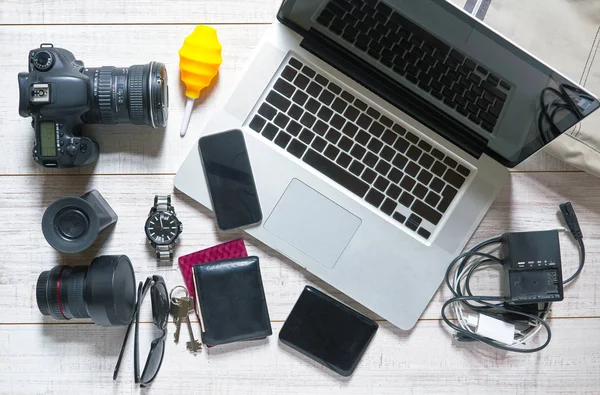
[[40, 293], [136, 94], [105, 95], [47, 293], [74, 290]]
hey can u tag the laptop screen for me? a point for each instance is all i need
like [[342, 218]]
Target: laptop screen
[[504, 96]]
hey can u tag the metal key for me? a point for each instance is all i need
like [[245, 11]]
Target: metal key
[[193, 345], [177, 309]]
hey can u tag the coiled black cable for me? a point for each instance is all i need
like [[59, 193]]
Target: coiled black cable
[[495, 306]]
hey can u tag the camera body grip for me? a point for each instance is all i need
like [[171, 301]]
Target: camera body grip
[[69, 148]]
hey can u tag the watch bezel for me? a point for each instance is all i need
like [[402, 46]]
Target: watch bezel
[[164, 243]]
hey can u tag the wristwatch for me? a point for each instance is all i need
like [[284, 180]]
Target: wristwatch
[[163, 228]]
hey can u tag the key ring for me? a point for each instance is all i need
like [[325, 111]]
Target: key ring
[[179, 286]]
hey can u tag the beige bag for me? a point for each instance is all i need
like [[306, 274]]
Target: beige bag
[[566, 35]]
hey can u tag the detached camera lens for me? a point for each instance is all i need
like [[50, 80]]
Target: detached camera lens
[[104, 291]]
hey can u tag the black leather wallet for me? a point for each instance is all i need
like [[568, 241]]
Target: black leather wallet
[[231, 301]]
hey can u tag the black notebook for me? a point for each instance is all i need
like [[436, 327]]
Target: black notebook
[[231, 301]]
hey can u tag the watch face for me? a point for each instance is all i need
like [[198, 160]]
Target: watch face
[[162, 228]]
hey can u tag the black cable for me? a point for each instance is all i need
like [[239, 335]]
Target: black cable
[[495, 310], [464, 254], [567, 104], [572, 222], [482, 299], [544, 311], [468, 279], [545, 116], [470, 274], [495, 306], [567, 100], [472, 252], [581, 262]]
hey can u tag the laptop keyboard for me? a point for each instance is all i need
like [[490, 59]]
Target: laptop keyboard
[[359, 148], [421, 58]]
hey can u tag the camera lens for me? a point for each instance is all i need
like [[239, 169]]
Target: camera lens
[[138, 94], [104, 291]]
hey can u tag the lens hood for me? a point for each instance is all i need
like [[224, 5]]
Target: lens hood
[[110, 290], [72, 224]]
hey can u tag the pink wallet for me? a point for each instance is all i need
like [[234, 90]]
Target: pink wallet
[[229, 250]]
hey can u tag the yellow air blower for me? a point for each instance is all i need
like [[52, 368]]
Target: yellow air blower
[[199, 61]]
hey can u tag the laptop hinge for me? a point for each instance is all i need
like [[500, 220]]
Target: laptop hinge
[[395, 93]]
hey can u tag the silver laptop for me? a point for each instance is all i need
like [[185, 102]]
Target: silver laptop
[[379, 134]]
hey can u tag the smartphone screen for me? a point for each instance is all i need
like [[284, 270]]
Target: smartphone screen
[[230, 180]]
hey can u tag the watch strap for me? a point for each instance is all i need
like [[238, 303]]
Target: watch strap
[[164, 253], [162, 202]]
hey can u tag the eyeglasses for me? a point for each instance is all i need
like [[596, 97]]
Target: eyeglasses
[[160, 317]]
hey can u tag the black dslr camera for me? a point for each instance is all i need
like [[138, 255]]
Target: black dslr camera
[[61, 95]]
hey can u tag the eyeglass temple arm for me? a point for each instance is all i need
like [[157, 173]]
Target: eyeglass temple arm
[[116, 372], [134, 318]]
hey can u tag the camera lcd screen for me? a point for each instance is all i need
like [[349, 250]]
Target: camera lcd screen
[[230, 180], [48, 140]]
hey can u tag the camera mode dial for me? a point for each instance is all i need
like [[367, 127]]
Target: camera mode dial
[[43, 61]]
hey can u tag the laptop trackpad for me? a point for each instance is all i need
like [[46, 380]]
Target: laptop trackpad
[[312, 223]]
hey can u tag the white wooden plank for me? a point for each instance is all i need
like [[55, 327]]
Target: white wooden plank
[[36, 12], [74, 358], [81, 358], [529, 202], [126, 148]]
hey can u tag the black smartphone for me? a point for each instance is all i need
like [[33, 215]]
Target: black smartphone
[[230, 179], [327, 331]]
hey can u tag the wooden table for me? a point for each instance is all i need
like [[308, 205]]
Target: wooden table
[[39, 354]]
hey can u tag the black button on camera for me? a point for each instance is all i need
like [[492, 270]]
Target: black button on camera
[[71, 150], [61, 134], [83, 148]]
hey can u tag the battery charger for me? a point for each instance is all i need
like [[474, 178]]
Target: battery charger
[[533, 280], [532, 267]]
